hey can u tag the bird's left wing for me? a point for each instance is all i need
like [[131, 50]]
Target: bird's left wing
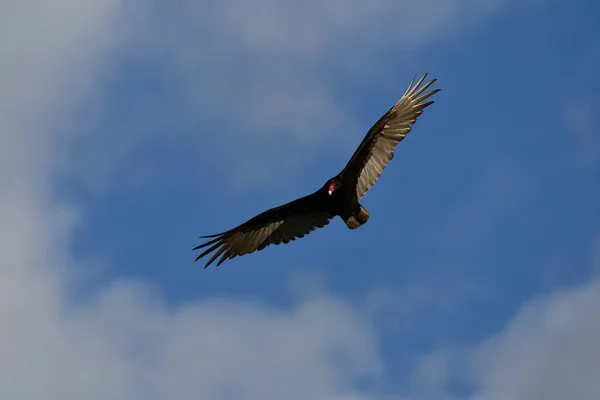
[[378, 146], [277, 225]]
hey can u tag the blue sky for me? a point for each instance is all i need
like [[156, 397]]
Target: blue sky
[[139, 129]]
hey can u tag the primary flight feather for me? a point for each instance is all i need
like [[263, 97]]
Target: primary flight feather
[[339, 196]]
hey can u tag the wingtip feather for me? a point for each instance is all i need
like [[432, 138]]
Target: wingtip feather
[[410, 85], [215, 255], [207, 243], [425, 96], [415, 89], [211, 236]]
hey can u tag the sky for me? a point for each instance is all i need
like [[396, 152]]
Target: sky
[[128, 129]]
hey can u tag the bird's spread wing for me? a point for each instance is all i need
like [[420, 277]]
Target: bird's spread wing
[[277, 225], [377, 148]]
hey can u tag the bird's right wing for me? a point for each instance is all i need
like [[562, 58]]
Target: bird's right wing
[[277, 225]]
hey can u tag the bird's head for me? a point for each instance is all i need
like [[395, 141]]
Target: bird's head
[[332, 185]]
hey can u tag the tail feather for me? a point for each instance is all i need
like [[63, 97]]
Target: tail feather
[[358, 219]]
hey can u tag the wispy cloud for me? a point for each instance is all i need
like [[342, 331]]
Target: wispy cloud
[[581, 120], [494, 192], [419, 305], [258, 80]]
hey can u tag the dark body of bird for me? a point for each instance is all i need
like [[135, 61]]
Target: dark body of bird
[[339, 196]]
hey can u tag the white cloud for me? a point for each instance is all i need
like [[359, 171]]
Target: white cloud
[[550, 350], [36, 43], [126, 345]]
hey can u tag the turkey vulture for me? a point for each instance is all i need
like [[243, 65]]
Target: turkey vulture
[[339, 196]]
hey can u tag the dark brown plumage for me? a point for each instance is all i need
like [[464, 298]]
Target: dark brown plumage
[[339, 196]]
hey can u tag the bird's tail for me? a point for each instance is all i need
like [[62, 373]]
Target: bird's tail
[[358, 219]]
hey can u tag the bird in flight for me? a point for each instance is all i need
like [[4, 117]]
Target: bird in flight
[[339, 196]]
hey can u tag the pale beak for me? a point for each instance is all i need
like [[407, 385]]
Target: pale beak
[[330, 192]]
